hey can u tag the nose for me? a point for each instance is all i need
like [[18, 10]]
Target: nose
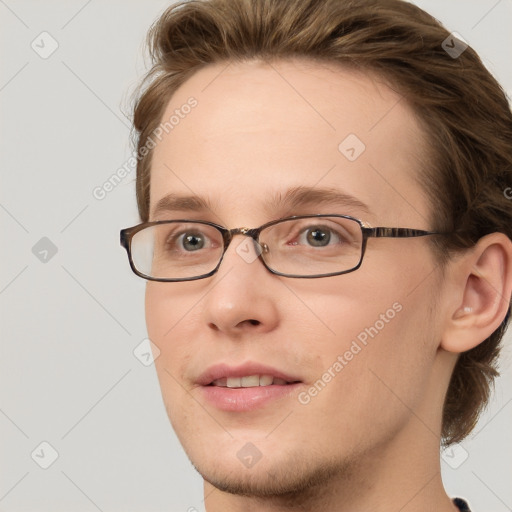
[[243, 295]]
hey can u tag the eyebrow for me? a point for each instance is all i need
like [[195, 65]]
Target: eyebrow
[[290, 203]]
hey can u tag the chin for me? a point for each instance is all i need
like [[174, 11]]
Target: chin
[[284, 475]]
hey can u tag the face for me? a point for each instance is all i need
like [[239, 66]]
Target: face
[[352, 343]]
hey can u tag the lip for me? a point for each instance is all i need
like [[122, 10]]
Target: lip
[[245, 399], [218, 371]]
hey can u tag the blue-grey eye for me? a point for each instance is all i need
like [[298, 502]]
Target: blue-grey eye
[[192, 241], [318, 236]]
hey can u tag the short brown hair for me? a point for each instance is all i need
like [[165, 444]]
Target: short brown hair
[[463, 110]]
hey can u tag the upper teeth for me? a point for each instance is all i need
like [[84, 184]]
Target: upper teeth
[[249, 381]]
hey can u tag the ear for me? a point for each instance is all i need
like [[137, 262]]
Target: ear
[[480, 293]]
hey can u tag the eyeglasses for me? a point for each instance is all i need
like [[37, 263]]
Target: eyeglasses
[[303, 246]]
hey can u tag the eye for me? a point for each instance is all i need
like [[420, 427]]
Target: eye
[[189, 241], [319, 236]]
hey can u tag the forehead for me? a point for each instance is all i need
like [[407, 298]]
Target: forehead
[[258, 129]]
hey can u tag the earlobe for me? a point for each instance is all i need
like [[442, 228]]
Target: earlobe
[[483, 286]]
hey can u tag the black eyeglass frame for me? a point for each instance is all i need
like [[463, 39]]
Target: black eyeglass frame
[[127, 234]]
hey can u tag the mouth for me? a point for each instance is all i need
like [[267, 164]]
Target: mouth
[[250, 381], [246, 387]]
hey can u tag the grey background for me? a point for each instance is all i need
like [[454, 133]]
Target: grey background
[[70, 324]]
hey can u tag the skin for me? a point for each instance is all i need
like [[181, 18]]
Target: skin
[[370, 439]]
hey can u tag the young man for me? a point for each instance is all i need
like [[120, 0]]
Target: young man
[[317, 362]]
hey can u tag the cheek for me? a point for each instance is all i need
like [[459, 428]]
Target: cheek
[[376, 383], [380, 349], [169, 317], [158, 320], [169, 310], [170, 323], [153, 317]]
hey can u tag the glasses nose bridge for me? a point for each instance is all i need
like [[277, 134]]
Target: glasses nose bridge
[[253, 233], [230, 233]]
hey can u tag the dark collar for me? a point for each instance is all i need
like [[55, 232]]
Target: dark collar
[[461, 505]]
